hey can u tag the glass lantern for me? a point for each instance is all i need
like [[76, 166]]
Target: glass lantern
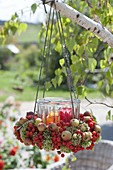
[[52, 109]]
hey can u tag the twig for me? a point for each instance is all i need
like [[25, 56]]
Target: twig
[[105, 104]]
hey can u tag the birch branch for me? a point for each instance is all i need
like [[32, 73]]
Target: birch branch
[[105, 104], [85, 22]]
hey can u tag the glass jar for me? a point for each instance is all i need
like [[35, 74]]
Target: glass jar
[[51, 109]]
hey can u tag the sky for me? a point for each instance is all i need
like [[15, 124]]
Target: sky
[[9, 7]]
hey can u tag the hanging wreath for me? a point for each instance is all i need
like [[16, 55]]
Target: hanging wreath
[[57, 124], [58, 130]]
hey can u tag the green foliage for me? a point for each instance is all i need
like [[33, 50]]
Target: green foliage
[[11, 27], [34, 7], [90, 58], [109, 116]]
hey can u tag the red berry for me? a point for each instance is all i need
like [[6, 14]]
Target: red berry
[[62, 155], [30, 134], [91, 124], [59, 152], [33, 130], [27, 133], [78, 131], [30, 125], [58, 124]]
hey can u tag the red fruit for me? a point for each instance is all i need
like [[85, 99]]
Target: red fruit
[[13, 151], [91, 125], [27, 133], [90, 147], [59, 144], [2, 163], [30, 134], [33, 130], [29, 117], [30, 125], [58, 124], [30, 113], [59, 152], [66, 135], [67, 124], [81, 115], [60, 130], [53, 126], [87, 118], [56, 158], [58, 139], [63, 143], [90, 120], [62, 155], [78, 132], [27, 141], [97, 128], [0, 156], [87, 113], [74, 122], [22, 120], [94, 133], [41, 127]]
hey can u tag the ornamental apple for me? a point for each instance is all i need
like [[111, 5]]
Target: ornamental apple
[[22, 120], [37, 121], [53, 126], [66, 135], [87, 136], [41, 127], [87, 114], [97, 128], [27, 141], [86, 118], [74, 122]]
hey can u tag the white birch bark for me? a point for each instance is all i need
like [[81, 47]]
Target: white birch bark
[[96, 28]]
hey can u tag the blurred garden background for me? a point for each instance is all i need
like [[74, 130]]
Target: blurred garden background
[[21, 48]]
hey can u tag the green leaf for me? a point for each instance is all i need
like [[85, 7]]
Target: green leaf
[[74, 158], [61, 62], [92, 64], [108, 117], [58, 47], [54, 82], [23, 26], [103, 63], [33, 7], [81, 91], [60, 79], [107, 88], [65, 168], [70, 44], [58, 71], [13, 17], [48, 85]]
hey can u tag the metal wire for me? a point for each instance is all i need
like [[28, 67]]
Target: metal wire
[[48, 53], [66, 56], [42, 63]]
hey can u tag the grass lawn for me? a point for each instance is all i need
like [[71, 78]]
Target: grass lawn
[[7, 80], [30, 35]]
